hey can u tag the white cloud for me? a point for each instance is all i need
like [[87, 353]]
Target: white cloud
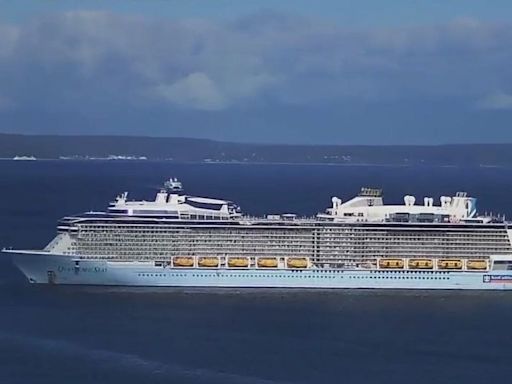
[[195, 91], [497, 100], [81, 58]]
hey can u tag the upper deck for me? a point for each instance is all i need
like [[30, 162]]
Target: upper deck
[[369, 206], [172, 206], [171, 203]]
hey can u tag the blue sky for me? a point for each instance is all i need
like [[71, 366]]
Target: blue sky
[[335, 72], [365, 13]]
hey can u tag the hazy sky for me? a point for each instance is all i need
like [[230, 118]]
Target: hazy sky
[[333, 71]]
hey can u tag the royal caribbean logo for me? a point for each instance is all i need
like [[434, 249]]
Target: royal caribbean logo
[[497, 278]]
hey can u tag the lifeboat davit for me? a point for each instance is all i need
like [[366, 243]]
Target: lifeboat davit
[[267, 262], [297, 262], [420, 264], [476, 264], [208, 262], [183, 261], [238, 262], [449, 264], [391, 263]]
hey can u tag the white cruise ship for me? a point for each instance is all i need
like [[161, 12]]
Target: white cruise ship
[[185, 241]]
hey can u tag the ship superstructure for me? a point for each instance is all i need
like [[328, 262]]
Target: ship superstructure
[[182, 240]]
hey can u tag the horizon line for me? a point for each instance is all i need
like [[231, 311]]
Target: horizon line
[[248, 142]]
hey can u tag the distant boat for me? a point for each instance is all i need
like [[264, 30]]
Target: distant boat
[[24, 158], [124, 157]]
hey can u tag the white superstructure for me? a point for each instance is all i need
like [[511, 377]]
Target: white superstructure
[[182, 240], [170, 203], [369, 206]]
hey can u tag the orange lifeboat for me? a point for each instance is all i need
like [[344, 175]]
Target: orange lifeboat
[[208, 262], [476, 264], [391, 263], [297, 262], [238, 262], [449, 264], [267, 262], [420, 264], [181, 261]]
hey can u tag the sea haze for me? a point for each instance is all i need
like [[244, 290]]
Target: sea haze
[[132, 335]]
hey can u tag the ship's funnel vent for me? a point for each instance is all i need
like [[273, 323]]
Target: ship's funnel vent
[[445, 201], [336, 202], [409, 200]]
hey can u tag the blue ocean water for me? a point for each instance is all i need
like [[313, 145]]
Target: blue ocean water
[[132, 335]]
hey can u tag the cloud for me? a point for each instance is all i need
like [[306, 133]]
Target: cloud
[[104, 64], [195, 91], [497, 100]]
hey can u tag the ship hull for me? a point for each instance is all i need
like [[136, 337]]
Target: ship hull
[[43, 268]]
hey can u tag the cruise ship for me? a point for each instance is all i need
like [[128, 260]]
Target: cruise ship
[[178, 240]]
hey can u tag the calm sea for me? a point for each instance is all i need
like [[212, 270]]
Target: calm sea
[[125, 335]]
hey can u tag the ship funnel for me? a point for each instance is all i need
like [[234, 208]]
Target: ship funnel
[[445, 201], [409, 200], [428, 201]]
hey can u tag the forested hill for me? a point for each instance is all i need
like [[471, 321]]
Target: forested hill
[[200, 150]]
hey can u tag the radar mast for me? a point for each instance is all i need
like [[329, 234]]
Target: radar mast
[[173, 185]]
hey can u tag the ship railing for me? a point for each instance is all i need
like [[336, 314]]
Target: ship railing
[[280, 219]]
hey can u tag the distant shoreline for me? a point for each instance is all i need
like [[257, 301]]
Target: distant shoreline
[[259, 163], [201, 151]]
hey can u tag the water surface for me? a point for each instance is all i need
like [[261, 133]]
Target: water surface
[[132, 335]]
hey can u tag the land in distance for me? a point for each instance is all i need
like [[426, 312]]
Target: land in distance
[[203, 150]]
